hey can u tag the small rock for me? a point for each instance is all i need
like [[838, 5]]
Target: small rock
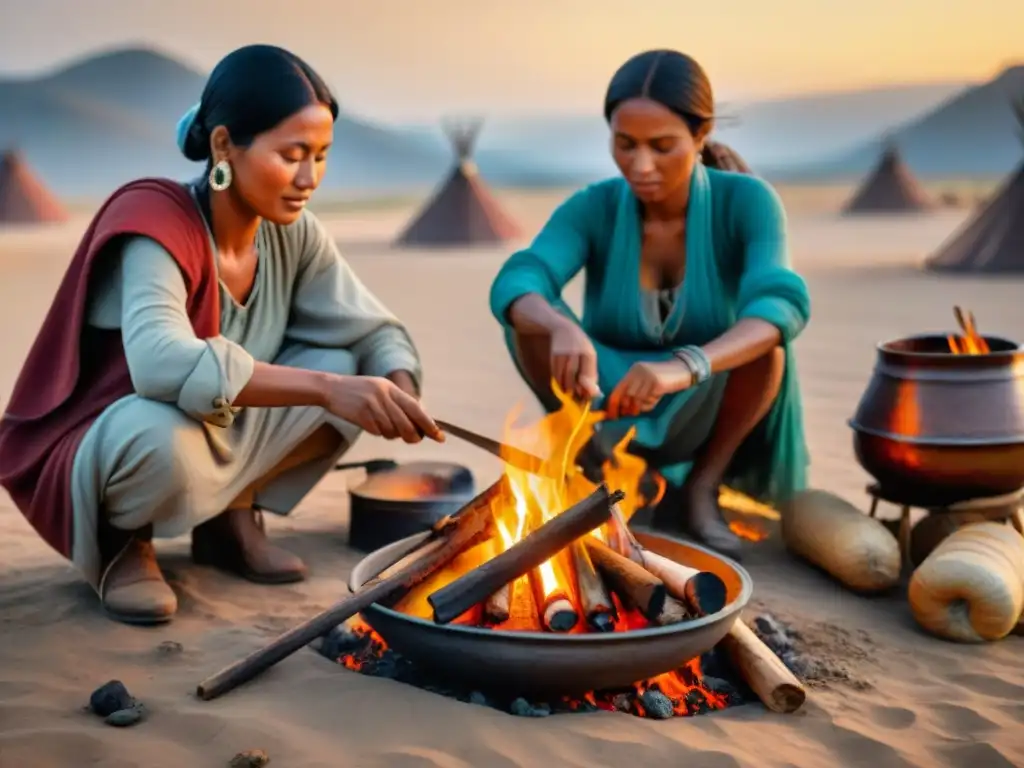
[[169, 648], [522, 708], [476, 697], [657, 704], [125, 717], [623, 702], [251, 758], [110, 698]]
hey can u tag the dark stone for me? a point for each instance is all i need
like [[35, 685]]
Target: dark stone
[[657, 704], [110, 698], [623, 702], [169, 648], [476, 697], [126, 717], [522, 708], [250, 758]]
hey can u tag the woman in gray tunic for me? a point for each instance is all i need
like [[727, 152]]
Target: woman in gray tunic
[[221, 428]]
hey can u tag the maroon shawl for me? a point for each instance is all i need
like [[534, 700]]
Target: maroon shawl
[[74, 371]]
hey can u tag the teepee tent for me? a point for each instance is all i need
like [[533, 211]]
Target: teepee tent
[[890, 188], [993, 239], [462, 211], [23, 198]]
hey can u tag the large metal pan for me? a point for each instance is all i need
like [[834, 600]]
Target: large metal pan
[[540, 664]]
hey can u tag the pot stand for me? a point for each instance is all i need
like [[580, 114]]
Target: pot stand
[[1008, 507]]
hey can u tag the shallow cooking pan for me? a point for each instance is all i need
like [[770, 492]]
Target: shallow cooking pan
[[395, 500]]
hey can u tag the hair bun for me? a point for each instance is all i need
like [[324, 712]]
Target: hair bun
[[191, 138]]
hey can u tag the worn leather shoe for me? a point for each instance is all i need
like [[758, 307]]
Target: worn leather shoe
[[236, 541], [133, 589]]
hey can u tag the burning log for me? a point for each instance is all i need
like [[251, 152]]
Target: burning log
[[763, 670], [539, 546], [638, 587], [450, 536], [498, 607], [523, 614], [414, 602], [594, 598], [557, 613]]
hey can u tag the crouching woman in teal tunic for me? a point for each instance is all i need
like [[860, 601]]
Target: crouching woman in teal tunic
[[690, 306]]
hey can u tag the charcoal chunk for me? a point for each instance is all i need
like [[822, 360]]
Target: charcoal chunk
[[657, 704], [341, 640], [523, 708], [109, 698]]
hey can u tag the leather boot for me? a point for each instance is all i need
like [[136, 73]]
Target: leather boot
[[132, 588], [236, 541]]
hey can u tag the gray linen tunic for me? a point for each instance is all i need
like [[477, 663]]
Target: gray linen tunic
[[175, 453]]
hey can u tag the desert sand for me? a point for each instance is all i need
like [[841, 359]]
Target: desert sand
[[910, 701]]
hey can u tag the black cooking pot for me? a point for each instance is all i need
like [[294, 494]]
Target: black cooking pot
[[399, 500]]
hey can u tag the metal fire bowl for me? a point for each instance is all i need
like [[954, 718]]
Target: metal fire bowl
[[547, 665]]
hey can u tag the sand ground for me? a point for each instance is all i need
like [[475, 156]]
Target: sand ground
[[926, 702]]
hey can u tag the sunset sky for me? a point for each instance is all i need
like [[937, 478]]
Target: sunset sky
[[419, 58]]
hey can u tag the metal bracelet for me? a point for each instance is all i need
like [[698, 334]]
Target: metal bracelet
[[696, 360]]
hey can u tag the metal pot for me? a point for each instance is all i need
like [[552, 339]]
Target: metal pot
[[934, 428], [541, 664], [399, 500]]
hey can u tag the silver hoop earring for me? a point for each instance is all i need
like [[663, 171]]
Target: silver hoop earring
[[220, 176]]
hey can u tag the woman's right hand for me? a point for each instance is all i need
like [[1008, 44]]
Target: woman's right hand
[[574, 361], [380, 407]]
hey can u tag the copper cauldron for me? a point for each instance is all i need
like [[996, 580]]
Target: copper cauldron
[[935, 428]]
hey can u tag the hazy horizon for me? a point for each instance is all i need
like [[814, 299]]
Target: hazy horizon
[[403, 59]]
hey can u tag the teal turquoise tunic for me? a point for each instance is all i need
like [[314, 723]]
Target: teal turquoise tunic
[[737, 266]]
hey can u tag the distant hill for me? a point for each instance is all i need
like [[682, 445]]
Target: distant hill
[[784, 130], [974, 133], [106, 119]]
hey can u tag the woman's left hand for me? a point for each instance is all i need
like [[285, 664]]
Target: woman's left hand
[[405, 382], [643, 386]]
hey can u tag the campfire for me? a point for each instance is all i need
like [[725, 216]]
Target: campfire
[[591, 576]]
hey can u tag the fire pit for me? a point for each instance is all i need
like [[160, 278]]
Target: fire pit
[[551, 664]]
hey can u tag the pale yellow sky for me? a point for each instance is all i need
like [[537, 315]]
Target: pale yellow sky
[[419, 58]]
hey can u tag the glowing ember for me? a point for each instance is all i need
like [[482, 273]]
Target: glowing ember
[[686, 691]]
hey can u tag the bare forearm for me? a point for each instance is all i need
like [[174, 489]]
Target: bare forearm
[[278, 386], [746, 341], [533, 314]]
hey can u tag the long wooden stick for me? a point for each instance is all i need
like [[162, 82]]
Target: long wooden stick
[[541, 544], [471, 525]]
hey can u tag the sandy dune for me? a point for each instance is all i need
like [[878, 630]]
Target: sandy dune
[[914, 700]]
